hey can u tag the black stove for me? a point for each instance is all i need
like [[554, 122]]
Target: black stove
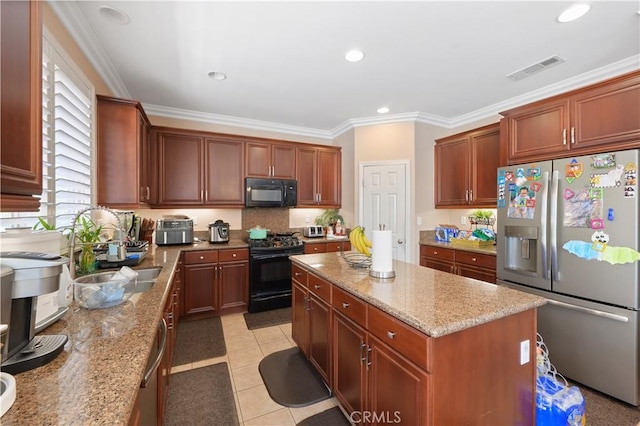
[[270, 271]]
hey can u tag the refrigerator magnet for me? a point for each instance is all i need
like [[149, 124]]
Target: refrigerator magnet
[[508, 175], [533, 173], [573, 170], [597, 224], [603, 161], [535, 186], [595, 193], [568, 194]]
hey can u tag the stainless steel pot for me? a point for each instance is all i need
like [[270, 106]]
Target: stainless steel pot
[[218, 232]]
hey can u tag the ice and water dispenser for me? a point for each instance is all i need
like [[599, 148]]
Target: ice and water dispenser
[[521, 248]]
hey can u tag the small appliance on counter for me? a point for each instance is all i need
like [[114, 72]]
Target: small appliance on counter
[[313, 231], [176, 229], [219, 232], [34, 274]]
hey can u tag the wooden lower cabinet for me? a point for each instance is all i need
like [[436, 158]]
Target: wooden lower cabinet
[[319, 335], [300, 320], [328, 247], [349, 369], [215, 282], [461, 262]]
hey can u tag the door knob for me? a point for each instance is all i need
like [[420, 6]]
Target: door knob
[[400, 241]]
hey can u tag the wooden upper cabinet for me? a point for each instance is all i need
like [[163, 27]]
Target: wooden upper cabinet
[[122, 160], [319, 177], [21, 105], [265, 159], [465, 168], [224, 183], [604, 116], [180, 169]]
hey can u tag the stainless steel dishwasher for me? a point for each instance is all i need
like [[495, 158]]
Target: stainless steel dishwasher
[[148, 394]]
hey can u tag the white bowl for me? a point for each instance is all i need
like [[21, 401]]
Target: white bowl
[[7, 393]]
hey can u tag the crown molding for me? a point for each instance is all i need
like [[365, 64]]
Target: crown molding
[[227, 120], [76, 24], [74, 21]]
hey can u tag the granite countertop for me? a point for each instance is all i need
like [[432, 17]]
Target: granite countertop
[[434, 302], [95, 379]]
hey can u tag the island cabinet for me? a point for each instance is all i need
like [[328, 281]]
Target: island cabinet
[[385, 370], [267, 159], [312, 309], [374, 372], [466, 168], [21, 100], [197, 169], [603, 116], [327, 247], [123, 153], [461, 262], [215, 282], [319, 176]]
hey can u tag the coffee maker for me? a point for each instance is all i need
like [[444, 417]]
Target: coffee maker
[[34, 274]]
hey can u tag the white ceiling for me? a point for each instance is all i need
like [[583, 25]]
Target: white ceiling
[[442, 62]]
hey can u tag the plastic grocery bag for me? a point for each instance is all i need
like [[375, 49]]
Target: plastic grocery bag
[[557, 403]]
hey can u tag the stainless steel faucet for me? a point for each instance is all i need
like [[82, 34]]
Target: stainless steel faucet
[[72, 237]]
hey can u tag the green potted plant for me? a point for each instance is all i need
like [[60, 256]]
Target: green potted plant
[[88, 233], [329, 217]]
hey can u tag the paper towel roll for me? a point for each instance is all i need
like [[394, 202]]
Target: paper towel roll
[[381, 252]]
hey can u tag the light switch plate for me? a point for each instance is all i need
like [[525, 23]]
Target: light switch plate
[[524, 352]]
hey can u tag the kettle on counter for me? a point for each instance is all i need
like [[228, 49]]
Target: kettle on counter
[[219, 232]]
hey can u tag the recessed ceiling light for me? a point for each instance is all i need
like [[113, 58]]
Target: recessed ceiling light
[[114, 15], [574, 12], [354, 55], [383, 110], [217, 75]]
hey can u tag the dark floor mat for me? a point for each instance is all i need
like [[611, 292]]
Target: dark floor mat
[[332, 416], [202, 396], [199, 340], [291, 380], [267, 318]]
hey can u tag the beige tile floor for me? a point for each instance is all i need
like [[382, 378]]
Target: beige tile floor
[[245, 349]]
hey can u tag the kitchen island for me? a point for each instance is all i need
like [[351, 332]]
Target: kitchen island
[[427, 346], [96, 378]]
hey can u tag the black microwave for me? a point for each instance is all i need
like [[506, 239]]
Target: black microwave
[[270, 192]]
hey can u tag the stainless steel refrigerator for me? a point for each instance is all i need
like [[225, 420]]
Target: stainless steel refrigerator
[[569, 230]]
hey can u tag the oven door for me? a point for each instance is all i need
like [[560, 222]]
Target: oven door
[[269, 282]]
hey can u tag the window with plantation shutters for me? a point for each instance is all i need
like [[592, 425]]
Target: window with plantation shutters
[[67, 141]]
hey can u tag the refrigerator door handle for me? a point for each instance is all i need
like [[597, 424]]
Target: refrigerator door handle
[[543, 227], [554, 225], [603, 314]]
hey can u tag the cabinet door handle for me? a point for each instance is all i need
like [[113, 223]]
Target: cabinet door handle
[[148, 195], [345, 305], [362, 357], [564, 136], [368, 357], [573, 135], [471, 195], [201, 195], [466, 195], [391, 334]]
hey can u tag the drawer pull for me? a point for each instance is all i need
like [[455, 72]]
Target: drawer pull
[[316, 286], [345, 305], [234, 255], [435, 252], [391, 334], [201, 257], [297, 274], [473, 259]]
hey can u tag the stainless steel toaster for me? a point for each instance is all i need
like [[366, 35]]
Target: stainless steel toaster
[[312, 231]]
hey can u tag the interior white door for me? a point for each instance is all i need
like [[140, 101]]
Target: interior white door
[[384, 203]]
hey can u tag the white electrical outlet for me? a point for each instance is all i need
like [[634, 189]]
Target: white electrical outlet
[[463, 220], [307, 219], [524, 352], [419, 220]]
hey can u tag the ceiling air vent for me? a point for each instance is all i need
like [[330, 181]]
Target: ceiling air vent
[[535, 68]]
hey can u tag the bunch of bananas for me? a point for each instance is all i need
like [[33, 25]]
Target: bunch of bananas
[[359, 241]]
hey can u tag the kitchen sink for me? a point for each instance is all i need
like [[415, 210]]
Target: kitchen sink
[[146, 278]]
